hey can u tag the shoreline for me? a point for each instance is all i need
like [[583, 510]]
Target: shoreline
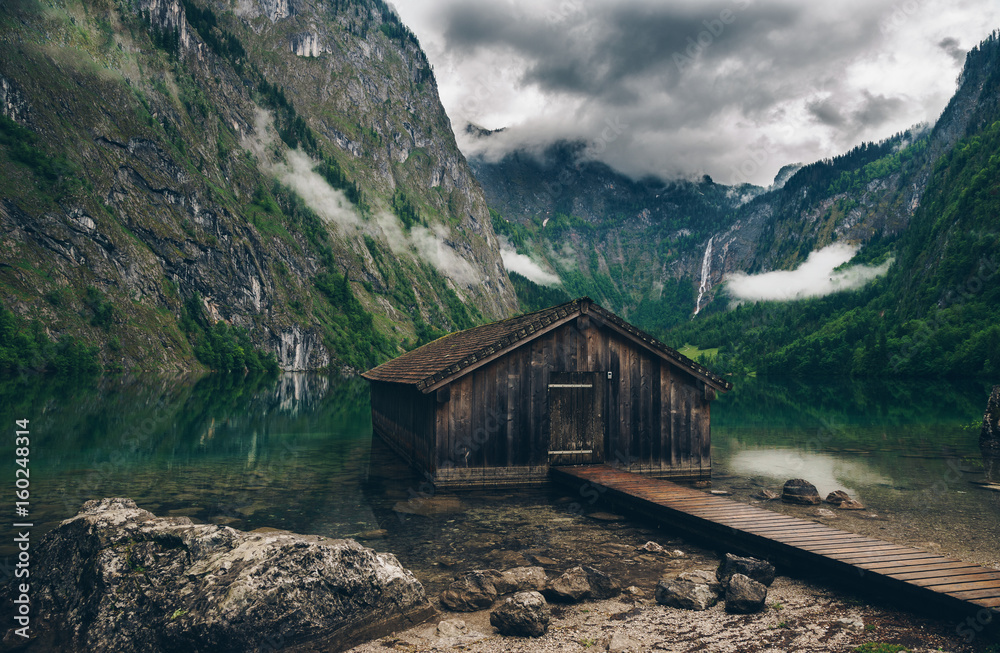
[[802, 614]]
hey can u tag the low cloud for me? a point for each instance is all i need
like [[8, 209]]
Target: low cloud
[[816, 277], [429, 244], [332, 205], [295, 169], [527, 267]]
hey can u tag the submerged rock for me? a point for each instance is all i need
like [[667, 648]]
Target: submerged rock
[[744, 595], [476, 590], [429, 506], [117, 578], [523, 615], [764, 494], [801, 492], [523, 579], [581, 583], [759, 570], [843, 501]]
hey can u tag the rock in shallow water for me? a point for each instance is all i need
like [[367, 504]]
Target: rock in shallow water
[[476, 590], [523, 615], [581, 583], [801, 492], [843, 501], [117, 578]]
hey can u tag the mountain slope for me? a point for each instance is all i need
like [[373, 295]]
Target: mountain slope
[[631, 245], [937, 311], [286, 169]]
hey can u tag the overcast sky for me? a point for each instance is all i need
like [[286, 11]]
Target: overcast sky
[[730, 88]]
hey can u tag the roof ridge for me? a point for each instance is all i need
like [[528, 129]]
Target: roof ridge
[[448, 355]]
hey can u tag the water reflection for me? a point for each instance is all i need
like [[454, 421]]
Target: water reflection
[[826, 471]]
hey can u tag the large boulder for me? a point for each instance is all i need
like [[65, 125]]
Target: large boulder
[[801, 492], [690, 591], [759, 570], [523, 615], [117, 578], [581, 583], [744, 595], [476, 590]]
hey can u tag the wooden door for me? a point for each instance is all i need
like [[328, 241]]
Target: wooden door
[[576, 418]]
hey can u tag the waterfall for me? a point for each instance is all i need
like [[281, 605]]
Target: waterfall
[[706, 269]]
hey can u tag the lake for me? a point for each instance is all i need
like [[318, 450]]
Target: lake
[[297, 453]]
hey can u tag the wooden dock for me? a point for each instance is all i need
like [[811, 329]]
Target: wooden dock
[[913, 576]]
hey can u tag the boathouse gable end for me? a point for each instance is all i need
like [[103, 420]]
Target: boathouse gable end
[[573, 384]]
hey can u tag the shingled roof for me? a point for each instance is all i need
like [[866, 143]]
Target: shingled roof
[[455, 354]]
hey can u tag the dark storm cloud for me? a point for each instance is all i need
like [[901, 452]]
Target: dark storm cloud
[[694, 86], [876, 109], [826, 112], [951, 46]]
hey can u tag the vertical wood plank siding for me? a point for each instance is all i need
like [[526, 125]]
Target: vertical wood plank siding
[[494, 427]]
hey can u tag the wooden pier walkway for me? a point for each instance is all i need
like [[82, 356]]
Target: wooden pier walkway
[[911, 575]]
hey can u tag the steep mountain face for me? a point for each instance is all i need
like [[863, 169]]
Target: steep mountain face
[[283, 167], [703, 232], [631, 245]]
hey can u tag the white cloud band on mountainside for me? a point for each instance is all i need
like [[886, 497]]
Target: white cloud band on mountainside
[[816, 277], [527, 267], [297, 171]]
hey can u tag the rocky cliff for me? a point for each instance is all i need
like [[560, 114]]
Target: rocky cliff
[[285, 168]]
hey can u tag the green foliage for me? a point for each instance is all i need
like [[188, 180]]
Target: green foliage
[[219, 346], [56, 175], [25, 346], [405, 211], [103, 310], [879, 647], [534, 297], [516, 234], [351, 330], [220, 41], [330, 170]]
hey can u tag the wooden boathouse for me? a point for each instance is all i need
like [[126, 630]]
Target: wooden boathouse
[[501, 403]]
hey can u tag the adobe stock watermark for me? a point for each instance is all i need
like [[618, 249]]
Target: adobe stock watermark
[[565, 10], [901, 13], [714, 28], [757, 157]]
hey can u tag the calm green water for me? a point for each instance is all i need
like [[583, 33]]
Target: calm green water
[[297, 454]]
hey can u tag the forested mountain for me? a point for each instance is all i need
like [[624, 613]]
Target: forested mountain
[[937, 311], [925, 199], [199, 183], [631, 245]]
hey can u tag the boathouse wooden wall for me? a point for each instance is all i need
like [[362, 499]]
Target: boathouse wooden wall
[[491, 426]]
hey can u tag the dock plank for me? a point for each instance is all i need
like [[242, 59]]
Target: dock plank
[[916, 573]]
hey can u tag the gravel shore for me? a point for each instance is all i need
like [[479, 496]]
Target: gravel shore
[[802, 615]]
